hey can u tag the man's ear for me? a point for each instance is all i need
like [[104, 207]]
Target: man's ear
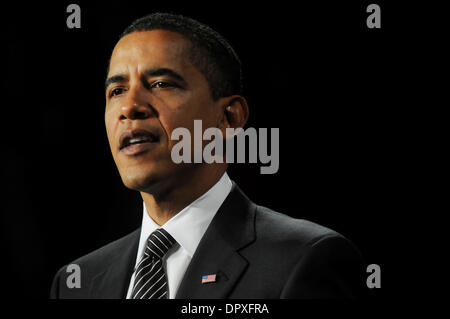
[[235, 113]]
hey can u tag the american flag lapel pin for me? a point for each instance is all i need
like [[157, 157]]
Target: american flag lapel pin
[[208, 278]]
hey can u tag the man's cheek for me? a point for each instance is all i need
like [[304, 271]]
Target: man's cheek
[[110, 141]]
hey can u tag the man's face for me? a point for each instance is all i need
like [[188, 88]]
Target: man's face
[[153, 88]]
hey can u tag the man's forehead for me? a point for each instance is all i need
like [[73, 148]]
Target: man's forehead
[[151, 44], [148, 49]]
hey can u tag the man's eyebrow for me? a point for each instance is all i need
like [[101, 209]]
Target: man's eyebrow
[[149, 72], [165, 71], [114, 79]]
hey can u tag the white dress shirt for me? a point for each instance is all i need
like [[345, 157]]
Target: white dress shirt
[[187, 228]]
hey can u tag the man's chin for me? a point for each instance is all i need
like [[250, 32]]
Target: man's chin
[[140, 183], [156, 181]]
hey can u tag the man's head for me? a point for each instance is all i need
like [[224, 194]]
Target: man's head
[[165, 72], [208, 51]]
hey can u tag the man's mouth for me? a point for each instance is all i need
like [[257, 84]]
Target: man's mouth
[[136, 141]]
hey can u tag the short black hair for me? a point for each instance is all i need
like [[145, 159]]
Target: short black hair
[[209, 52]]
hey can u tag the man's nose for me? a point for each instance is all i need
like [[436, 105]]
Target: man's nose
[[136, 105], [136, 110]]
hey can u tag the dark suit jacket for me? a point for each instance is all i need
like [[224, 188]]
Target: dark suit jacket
[[255, 252]]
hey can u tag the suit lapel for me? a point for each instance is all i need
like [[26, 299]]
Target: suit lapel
[[113, 282], [217, 253]]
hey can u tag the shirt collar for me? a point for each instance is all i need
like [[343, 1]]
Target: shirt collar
[[190, 224]]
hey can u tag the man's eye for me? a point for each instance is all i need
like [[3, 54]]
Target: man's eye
[[116, 91], [162, 84]]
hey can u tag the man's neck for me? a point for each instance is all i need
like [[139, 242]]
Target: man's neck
[[163, 208]]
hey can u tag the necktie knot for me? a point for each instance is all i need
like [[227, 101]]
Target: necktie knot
[[159, 242]]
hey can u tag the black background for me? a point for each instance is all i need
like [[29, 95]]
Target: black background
[[314, 70]]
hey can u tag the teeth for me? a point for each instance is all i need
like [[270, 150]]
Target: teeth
[[137, 139]]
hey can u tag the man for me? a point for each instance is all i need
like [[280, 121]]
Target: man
[[201, 237]]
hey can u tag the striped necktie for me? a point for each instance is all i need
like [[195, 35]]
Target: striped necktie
[[150, 280]]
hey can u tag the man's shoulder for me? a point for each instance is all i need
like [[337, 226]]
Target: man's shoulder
[[93, 264], [107, 253], [276, 226], [311, 260]]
